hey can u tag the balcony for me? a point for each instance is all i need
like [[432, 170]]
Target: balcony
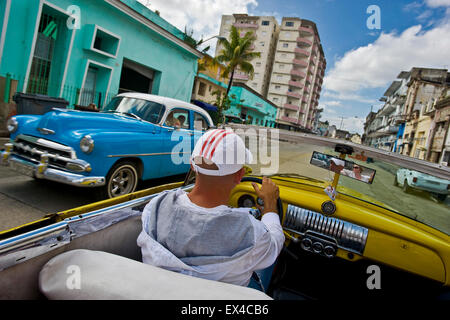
[[291, 107], [293, 94], [298, 73], [288, 119], [301, 52], [305, 30], [304, 42], [295, 84], [309, 79], [245, 25], [398, 119], [300, 63]]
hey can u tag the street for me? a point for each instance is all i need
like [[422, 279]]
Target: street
[[25, 199]]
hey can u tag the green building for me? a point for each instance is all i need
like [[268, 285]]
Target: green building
[[87, 51], [251, 107]]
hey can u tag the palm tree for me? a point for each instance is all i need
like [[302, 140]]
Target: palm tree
[[236, 53]]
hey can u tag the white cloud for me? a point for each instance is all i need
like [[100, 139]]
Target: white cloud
[[348, 96], [202, 16], [377, 64], [413, 6], [350, 124], [438, 3], [333, 103]]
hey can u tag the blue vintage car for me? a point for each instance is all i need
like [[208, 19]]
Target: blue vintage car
[[136, 136], [411, 179]]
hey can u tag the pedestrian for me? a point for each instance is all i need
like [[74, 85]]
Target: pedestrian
[[198, 234]]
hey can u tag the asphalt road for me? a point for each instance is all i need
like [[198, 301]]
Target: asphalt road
[[418, 205], [23, 199]]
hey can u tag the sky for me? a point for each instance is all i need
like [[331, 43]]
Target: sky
[[365, 51]]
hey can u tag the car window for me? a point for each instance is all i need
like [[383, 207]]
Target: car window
[[200, 122], [178, 118], [147, 110]]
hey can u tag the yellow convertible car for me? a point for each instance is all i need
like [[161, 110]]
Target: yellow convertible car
[[351, 233]]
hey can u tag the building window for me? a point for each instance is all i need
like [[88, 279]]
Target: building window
[[277, 87], [275, 99], [258, 64], [283, 55], [279, 76], [256, 75], [289, 24], [285, 45], [281, 66], [254, 84], [265, 23], [261, 43], [264, 33], [201, 89]]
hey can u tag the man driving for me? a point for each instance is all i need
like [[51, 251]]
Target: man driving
[[197, 234]]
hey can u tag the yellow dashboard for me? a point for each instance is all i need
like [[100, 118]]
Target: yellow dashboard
[[356, 229]]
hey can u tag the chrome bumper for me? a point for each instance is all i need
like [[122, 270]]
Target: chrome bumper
[[42, 170]]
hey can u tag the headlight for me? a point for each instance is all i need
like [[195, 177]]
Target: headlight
[[87, 144], [12, 125]]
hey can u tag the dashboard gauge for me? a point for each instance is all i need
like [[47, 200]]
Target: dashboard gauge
[[328, 207], [246, 201]]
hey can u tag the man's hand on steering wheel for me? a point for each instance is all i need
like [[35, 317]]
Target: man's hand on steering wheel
[[269, 193]]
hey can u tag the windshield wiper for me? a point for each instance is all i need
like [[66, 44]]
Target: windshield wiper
[[124, 113], [295, 175]]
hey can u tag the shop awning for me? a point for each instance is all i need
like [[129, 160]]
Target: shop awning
[[204, 105]]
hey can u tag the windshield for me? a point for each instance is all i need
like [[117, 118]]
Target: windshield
[[146, 110], [423, 198]]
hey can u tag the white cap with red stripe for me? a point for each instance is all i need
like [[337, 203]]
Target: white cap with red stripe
[[221, 147]]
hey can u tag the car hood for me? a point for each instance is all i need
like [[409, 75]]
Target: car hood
[[59, 120]]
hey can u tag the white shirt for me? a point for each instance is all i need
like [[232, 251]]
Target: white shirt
[[267, 244]]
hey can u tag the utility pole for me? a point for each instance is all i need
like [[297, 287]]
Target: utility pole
[[342, 120]]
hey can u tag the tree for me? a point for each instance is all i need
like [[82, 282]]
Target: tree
[[236, 53], [223, 103], [188, 36]]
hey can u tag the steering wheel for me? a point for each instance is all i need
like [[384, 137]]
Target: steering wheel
[[258, 180]]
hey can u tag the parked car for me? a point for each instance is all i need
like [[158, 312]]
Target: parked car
[[136, 136], [410, 179]]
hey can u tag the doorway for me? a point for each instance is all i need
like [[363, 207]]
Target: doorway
[[135, 78]]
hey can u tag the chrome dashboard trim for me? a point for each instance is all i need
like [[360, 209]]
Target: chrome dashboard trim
[[348, 236]]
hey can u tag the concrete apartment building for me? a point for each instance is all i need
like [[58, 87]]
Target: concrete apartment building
[[297, 74], [414, 120], [266, 30], [387, 125], [425, 87]]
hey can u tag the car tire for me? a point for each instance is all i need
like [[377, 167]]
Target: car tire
[[441, 197], [406, 187], [122, 179]]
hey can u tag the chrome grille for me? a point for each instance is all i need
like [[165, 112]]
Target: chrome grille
[[347, 235], [32, 148]]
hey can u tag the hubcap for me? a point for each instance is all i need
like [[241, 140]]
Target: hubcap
[[123, 182]]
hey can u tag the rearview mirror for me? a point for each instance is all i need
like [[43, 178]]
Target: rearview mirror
[[343, 167]]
